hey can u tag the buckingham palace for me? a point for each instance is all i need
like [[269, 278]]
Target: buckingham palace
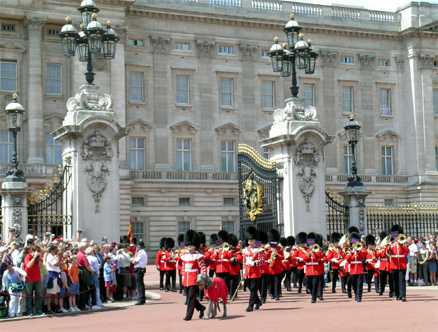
[[193, 78]]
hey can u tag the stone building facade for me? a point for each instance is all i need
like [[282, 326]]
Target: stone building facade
[[192, 79]]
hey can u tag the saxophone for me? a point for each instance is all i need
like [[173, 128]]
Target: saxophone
[[273, 257]]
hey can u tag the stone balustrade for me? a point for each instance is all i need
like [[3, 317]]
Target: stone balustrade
[[377, 179], [33, 171]]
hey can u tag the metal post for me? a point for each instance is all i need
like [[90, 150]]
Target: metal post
[[89, 75], [294, 88]]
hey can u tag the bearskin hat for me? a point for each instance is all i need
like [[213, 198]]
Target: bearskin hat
[[262, 237], [355, 237], [192, 238], [213, 239], [169, 243], [162, 242], [232, 240], [335, 237], [223, 235], [396, 228], [353, 229], [283, 242], [274, 236], [301, 238], [311, 238], [370, 240], [290, 241], [202, 238], [180, 239], [319, 239], [251, 233]]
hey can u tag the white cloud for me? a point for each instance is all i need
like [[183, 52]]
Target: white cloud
[[390, 5]]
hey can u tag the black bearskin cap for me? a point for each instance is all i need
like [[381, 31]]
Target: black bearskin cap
[[370, 240], [290, 241], [355, 236], [180, 239], [162, 242], [319, 239], [223, 235], [192, 238], [382, 235], [283, 242], [202, 238], [274, 236], [232, 240], [353, 229], [262, 237], [213, 239], [311, 236], [335, 237], [301, 238], [396, 228], [169, 243], [251, 233]]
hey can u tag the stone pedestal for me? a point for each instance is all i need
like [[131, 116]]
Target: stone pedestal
[[14, 210], [90, 136], [296, 142], [354, 198]]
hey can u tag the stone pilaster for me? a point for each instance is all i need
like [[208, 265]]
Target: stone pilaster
[[35, 93]]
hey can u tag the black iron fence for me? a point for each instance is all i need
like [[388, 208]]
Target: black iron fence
[[337, 215]]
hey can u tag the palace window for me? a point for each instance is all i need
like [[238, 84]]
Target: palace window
[[347, 59], [268, 94], [53, 151], [137, 201], [184, 154], [183, 227], [226, 92], [8, 75], [385, 95], [8, 27], [136, 86], [6, 146], [138, 230], [54, 79], [226, 50], [184, 201], [388, 160], [228, 156], [183, 46], [348, 159], [384, 62], [229, 201], [182, 89], [136, 42], [266, 152], [309, 95], [136, 153], [348, 99], [228, 226]]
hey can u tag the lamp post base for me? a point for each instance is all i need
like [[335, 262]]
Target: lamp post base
[[15, 175]]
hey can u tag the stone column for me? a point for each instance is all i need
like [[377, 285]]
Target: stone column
[[354, 198], [297, 143], [90, 136], [14, 210], [35, 93]]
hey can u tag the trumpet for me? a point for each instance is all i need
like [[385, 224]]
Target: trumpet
[[358, 246], [226, 247], [316, 247], [402, 238]]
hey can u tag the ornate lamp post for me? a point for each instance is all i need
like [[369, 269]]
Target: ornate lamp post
[[93, 41], [352, 131], [14, 113], [294, 55]]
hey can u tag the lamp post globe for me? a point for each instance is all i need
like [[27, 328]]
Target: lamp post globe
[[14, 115]]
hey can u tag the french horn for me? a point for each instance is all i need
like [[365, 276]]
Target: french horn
[[402, 238]]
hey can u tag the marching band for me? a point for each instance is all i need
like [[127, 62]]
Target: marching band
[[263, 263]]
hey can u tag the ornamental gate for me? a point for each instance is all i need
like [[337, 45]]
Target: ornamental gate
[[47, 209], [258, 191], [337, 215]]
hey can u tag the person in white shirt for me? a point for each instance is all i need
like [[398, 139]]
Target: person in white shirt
[[124, 261], [95, 267], [413, 262], [54, 277], [140, 262]]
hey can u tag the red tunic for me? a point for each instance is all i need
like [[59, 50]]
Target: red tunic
[[235, 262], [252, 260], [210, 259], [275, 260], [159, 263], [371, 260], [169, 261], [383, 260], [192, 265], [223, 261], [217, 291], [356, 261], [398, 254], [300, 256], [314, 263], [334, 257]]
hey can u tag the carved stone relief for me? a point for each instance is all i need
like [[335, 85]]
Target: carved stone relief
[[295, 110], [89, 99]]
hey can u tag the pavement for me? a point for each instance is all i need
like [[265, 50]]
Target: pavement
[[293, 311]]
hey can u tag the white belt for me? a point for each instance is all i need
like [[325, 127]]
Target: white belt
[[191, 270], [398, 256], [356, 262], [384, 260], [312, 263]]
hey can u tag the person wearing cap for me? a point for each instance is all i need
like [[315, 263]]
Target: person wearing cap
[[371, 260], [314, 267], [252, 261], [140, 262], [299, 254], [398, 253], [356, 259], [159, 262]]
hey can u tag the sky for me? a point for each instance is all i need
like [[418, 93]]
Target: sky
[[390, 5]]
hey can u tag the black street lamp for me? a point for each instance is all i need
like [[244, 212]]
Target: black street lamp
[[352, 131], [294, 55], [93, 41], [14, 114]]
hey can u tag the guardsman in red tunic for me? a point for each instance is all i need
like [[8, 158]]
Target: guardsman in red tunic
[[222, 258], [192, 264], [235, 263], [334, 258], [313, 262], [275, 263], [356, 259], [371, 259], [299, 255], [159, 262], [398, 255], [178, 254], [169, 265], [287, 261], [383, 265], [252, 261], [264, 265], [211, 254]]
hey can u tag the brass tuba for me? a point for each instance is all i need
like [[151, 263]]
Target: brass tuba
[[402, 238], [358, 246], [316, 247]]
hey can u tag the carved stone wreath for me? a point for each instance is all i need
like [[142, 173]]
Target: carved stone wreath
[[97, 152], [307, 159]]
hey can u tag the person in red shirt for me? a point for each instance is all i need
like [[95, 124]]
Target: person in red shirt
[[287, 244], [383, 266], [178, 254], [169, 264], [159, 261], [275, 263], [299, 255], [252, 261], [371, 259], [398, 256], [265, 252], [235, 263], [33, 289], [313, 261], [356, 259], [334, 258]]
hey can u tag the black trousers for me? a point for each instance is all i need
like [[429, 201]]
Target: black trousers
[[321, 287], [344, 280], [192, 301], [162, 275], [226, 278], [253, 285], [264, 285], [357, 285], [84, 289], [180, 281], [234, 283], [300, 279], [398, 279], [211, 273], [294, 276], [314, 284], [369, 274], [170, 280], [287, 279], [335, 277], [139, 273], [384, 276]]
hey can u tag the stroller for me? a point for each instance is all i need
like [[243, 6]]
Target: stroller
[[4, 299]]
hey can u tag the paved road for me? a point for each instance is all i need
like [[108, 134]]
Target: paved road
[[336, 313]]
